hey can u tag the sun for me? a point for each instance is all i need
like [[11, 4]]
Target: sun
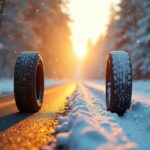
[[81, 53], [80, 49], [89, 21]]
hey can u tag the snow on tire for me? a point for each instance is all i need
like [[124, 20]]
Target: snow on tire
[[29, 82], [118, 82]]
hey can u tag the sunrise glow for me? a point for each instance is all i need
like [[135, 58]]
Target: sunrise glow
[[90, 18]]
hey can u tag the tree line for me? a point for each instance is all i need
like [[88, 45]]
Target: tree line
[[40, 26], [128, 30]]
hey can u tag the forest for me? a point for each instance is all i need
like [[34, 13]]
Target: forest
[[42, 26], [128, 30], [39, 26]]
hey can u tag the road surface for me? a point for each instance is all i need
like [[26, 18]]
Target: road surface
[[88, 120], [32, 131]]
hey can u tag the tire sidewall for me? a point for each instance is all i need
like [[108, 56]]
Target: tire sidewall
[[39, 100]]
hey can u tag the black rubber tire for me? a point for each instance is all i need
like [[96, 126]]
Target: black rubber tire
[[118, 82], [29, 82]]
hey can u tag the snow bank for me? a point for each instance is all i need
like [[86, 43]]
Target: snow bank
[[90, 126], [141, 91], [136, 121], [6, 85], [136, 124], [51, 82]]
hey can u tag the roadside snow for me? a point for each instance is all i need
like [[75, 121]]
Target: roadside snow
[[136, 124], [51, 82], [90, 126], [6, 85], [140, 92], [136, 121]]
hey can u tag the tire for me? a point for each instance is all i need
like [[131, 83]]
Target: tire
[[118, 82], [29, 82]]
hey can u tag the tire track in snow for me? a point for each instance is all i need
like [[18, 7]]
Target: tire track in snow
[[136, 121], [90, 126]]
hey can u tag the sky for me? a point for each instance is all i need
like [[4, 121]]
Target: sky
[[90, 18]]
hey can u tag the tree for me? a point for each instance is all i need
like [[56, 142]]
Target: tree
[[41, 26], [106, 43], [142, 44], [15, 34], [2, 3], [128, 30]]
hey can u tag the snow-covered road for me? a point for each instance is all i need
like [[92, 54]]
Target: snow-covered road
[[90, 126]]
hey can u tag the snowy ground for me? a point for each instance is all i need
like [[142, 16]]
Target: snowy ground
[[141, 89], [90, 126], [6, 85]]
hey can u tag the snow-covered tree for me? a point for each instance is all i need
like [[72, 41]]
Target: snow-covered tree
[[128, 16], [14, 34], [128, 30], [41, 26], [142, 44]]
